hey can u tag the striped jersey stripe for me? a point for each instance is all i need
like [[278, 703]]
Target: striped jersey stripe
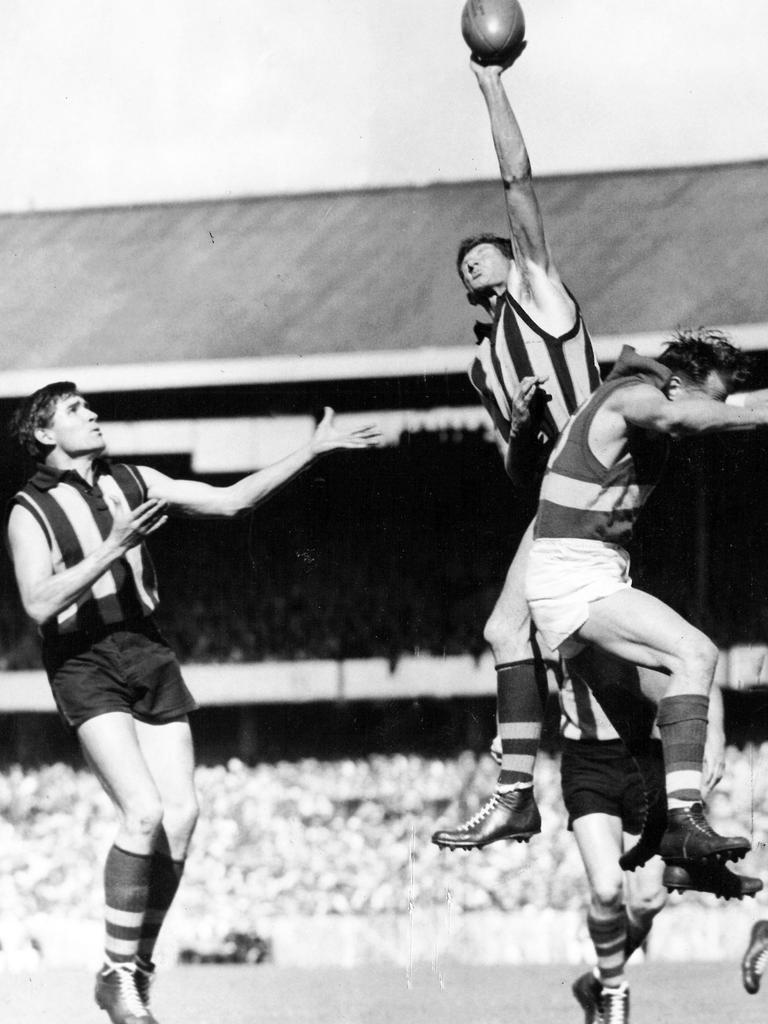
[[581, 716], [75, 519], [514, 346]]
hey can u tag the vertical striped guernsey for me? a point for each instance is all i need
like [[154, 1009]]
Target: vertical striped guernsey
[[580, 497], [513, 347], [581, 716], [75, 518]]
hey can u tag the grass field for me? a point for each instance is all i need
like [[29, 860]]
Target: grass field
[[661, 994]]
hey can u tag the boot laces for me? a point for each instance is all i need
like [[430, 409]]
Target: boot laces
[[144, 977], [697, 819], [129, 991], [614, 1007], [758, 965], [484, 811]]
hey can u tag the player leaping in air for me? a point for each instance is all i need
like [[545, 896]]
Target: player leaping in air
[[534, 366], [605, 465]]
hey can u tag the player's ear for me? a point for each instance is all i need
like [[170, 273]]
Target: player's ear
[[43, 436], [674, 388]]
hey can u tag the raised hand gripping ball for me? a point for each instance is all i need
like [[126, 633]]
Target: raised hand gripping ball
[[492, 29]]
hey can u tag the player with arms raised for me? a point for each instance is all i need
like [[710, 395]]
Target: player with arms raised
[[533, 367], [77, 536]]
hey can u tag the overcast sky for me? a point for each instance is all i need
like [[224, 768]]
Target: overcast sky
[[135, 101]]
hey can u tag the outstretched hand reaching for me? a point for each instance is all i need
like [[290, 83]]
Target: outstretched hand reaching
[[327, 438]]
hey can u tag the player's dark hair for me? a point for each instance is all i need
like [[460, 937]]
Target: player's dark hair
[[695, 353], [502, 244], [36, 411]]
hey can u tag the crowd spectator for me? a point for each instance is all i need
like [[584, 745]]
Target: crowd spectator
[[316, 838]]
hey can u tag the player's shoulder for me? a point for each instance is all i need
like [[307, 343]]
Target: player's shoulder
[[542, 293]]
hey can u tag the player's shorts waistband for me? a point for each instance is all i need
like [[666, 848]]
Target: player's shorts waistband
[[602, 750], [68, 644]]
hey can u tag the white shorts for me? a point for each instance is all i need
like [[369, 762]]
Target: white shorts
[[563, 576]]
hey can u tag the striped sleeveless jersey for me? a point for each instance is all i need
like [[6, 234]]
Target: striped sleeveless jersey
[[513, 347], [75, 518], [622, 712], [580, 497], [581, 717]]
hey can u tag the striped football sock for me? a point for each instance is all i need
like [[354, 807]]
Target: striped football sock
[[609, 937], [164, 878], [683, 726], [126, 886], [638, 930], [522, 690]]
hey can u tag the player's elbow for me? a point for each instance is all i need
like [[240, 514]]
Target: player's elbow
[[665, 421], [39, 610], [233, 505]]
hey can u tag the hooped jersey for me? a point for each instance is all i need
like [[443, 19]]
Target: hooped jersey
[[583, 499]]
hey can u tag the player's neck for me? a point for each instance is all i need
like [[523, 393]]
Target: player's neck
[[80, 464]]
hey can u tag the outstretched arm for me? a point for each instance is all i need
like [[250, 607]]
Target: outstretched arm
[[194, 498], [526, 227], [646, 406]]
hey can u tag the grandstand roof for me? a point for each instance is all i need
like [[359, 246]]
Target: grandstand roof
[[368, 271]]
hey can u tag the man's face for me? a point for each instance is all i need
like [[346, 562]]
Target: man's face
[[73, 428], [484, 269]]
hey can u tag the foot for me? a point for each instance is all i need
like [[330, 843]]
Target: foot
[[755, 958], [614, 1004], [587, 990], [118, 994], [690, 837], [512, 815], [715, 878]]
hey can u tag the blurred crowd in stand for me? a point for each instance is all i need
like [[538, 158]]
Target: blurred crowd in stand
[[321, 837], [403, 551]]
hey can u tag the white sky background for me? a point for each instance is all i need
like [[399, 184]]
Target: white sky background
[[129, 101]]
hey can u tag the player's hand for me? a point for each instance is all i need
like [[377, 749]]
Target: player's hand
[[522, 397], [483, 67], [327, 438], [130, 528], [714, 761]]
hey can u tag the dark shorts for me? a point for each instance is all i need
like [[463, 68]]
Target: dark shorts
[[127, 668], [600, 777]]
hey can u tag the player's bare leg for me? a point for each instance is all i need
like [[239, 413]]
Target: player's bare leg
[[640, 629], [168, 750], [604, 993], [111, 747], [521, 687]]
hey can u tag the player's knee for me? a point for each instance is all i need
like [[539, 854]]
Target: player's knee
[[607, 894], [142, 816], [646, 905], [699, 657], [509, 639], [179, 821]]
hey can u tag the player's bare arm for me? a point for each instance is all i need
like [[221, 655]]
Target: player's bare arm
[[45, 593], [522, 450], [646, 406], [194, 498], [533, 279]]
